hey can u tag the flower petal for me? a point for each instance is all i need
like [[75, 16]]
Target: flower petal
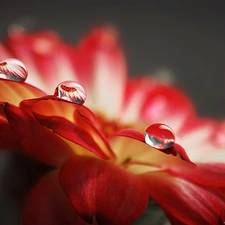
[[197, 133], [135, 95], [71, 121], [208, 174], [155, 102], [4, 53], [176, 149], [101, 190], [131, 133], [139, 157], [47, 204], [36, 139], [97, 63], [219, 135], [178, 196], [51, 105], [7, 136], [14, 92], [74, 133], [101, 61], [45, 55], [166, 104]]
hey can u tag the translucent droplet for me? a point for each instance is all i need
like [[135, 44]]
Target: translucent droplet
[[159, 136], [71, 91], [13, 69]]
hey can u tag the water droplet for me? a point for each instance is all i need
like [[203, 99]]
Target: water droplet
[[13, 69], [159, 136], [71, 91]]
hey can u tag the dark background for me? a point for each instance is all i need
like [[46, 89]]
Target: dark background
[[185, 37]]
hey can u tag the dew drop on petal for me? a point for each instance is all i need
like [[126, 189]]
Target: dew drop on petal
[[13, 69], [71, 91], [159, 136]]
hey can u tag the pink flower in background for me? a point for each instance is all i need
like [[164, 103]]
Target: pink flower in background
[[107, 161]]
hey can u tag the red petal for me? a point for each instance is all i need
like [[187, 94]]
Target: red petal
[[187, 203], [140, 157], [14, 92], [97, 63], [51, 105], [7, 136], [167, 102], [197, 133], [76, 134], [135, 95], [64, 118], [223, 217], [176, 149], [4, 53], [219, 135], [155, 102], [45, 56], [134, 134], [47, 204], [208, 174], [195, 124], [36, 139], [131, 134], [101, 66], [102, 190]]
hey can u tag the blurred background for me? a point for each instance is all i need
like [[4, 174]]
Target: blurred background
[[185, 38], [183, 41]]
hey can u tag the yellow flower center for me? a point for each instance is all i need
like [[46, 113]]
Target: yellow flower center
[[109, 127]]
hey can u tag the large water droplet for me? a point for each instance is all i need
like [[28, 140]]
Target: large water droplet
[[13, 69], [71, 91], [159, 136]]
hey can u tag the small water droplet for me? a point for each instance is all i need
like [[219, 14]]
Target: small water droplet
[[13, 69], [71, 91], [159, 136]]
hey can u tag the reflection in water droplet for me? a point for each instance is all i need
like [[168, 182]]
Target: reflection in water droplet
[[71, 91], [159, 136], [13, 69]]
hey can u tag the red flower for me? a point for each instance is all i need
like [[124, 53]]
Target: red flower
[[103, 166]]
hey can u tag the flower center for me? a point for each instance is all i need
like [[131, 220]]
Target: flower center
[[109, 127]]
